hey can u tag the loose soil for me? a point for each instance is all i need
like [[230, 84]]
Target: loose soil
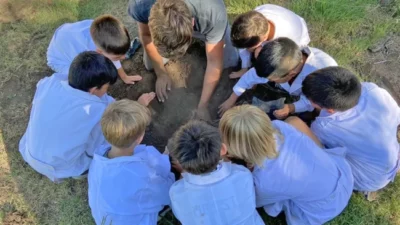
[[187, 74]]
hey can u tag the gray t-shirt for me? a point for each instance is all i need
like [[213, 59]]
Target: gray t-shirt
[[210, 16]]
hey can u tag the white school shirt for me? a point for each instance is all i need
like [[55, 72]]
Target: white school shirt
[[129, 190], [316, 60], [311, 185], [368, 131], [68, 41], [287, 24], [63, 129], [225, 196]]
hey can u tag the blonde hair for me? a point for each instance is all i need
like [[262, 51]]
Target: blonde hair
[[124, 122], [249, 135]]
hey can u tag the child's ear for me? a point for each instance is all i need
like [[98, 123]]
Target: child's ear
[[331, 111], [140, 139], [224, 150], [99, 51], [93, 91]]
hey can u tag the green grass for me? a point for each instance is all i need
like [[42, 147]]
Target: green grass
[[342, 28]]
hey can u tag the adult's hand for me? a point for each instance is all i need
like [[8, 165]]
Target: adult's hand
[[163, 84], [202, 113]]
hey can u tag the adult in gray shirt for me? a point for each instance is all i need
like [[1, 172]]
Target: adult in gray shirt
[[166, 28]]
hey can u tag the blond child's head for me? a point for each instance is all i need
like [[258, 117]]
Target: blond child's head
[[124, 123], [110, 37], [248, 134]]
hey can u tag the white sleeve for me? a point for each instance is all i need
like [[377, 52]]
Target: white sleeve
[[321, 132], [245, 56], [303, 105], [159, 162], [109, 99], [305, 37], [247, 81], [96, 140], [117, 64]]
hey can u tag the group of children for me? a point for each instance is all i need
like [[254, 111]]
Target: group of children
[[309, 173]]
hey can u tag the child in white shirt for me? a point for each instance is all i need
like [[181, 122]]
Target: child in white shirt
[[128, 182], [106, 35], [361, 117], [211, 192], [291, 172], [64, 125], [283, 62], [265, 23]]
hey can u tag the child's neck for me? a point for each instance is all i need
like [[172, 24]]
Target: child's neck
[[271, 31], [118, 152]]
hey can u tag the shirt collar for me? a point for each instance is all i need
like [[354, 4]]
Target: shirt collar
[[223, 170], [140, 154], [82, 94]]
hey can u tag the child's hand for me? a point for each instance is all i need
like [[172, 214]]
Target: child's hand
[[146, 98], [229, 103], [238, 74], [131, 79], [284, 112]]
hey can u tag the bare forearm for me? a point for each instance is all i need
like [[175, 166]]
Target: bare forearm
[[211, 79], [121, 73], [153, 54]]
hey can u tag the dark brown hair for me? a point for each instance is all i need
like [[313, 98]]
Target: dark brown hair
[[248, 29], [110, 35], [171, 27], [333, 88], [197, 146]]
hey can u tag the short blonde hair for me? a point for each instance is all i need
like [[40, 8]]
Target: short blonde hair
[[249, 135], [124, 122]]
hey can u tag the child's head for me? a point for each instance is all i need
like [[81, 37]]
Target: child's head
[[92, 72], [248, 134], [197, 147], [279, 60], [124, 123], [249, 30], [171, 27], [332, 88], [110, 37]]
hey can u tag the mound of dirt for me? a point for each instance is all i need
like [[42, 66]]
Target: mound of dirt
[[187, 75], [383, 66]]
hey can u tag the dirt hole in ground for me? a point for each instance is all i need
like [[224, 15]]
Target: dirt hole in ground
[[187, 74]]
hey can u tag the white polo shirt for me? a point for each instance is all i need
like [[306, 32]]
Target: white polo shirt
[[63, 129], [129, 190], [68, 41], [369, 132], [225, 196]]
